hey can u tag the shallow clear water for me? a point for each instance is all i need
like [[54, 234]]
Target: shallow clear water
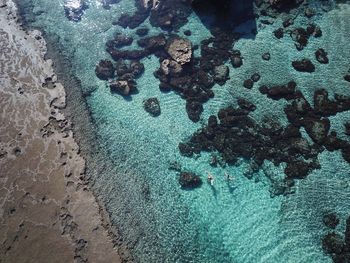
[[227, 222]]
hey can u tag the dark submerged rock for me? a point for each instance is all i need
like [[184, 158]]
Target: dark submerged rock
[[119, 41], [332, 243], [266, 56], [286, 91], [321, 56], [189, 180], [248, 83], [304, 65], [123, 87], [142, 31], [152, 106], [236, 59], [279, 33], [255, 77], [330, 220], [194, 110], [347, 77], [105, 70]]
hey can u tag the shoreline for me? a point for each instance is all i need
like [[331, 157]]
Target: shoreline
[[61, 126]]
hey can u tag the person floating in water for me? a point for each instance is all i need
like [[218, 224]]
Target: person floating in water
[[210, 178], [229, 177]]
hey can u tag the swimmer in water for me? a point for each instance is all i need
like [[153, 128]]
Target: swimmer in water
[[210, 178], [229, 177]]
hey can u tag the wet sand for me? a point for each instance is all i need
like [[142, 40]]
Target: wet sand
[[47, 211]]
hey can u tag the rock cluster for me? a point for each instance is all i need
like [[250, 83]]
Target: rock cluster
[[234, 134]]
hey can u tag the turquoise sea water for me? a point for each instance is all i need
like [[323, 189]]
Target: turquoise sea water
[[227, 222]]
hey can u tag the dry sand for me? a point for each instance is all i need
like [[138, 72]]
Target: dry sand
[[47, 212]]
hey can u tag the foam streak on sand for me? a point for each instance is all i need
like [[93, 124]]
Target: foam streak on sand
[[47, 212]]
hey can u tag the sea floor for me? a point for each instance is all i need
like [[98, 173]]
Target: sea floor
[[237, 221]]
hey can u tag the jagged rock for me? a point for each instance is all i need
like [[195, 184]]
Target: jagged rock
[[152, 106], [189, 180], [180, 50], [321, 56], [330, 220], [304, 65], [105, 70]]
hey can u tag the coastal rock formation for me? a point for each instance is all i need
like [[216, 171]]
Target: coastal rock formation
[[48, 210]]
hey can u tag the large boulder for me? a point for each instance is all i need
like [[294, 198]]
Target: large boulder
[[180, 50], [189, 180]]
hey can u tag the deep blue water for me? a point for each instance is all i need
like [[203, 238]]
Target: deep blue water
[[227, 222]]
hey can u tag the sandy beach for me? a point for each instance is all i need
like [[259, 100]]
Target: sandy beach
[[47, 211]]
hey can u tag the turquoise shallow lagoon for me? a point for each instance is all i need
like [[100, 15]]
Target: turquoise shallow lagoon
[[235, 221]]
